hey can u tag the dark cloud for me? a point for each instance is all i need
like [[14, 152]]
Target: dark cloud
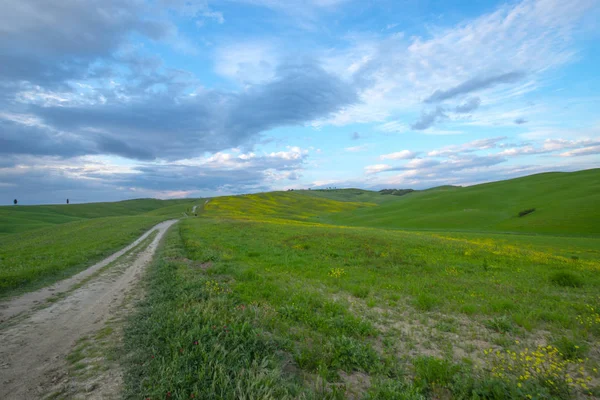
[[428, 119], [73, 84], [69, 67], [172, 125], [47, 42], [468, 106], [520, 121], [473, 85], [20, 138]]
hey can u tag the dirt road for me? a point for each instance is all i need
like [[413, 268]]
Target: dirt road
[[33, 345]]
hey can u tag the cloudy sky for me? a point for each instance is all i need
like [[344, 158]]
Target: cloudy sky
[[115, 99]]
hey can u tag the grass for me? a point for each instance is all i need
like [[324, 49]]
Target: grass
[[258, 297], [42, 244], [37, 258], [15, 219], [564, 203], [279, 205]]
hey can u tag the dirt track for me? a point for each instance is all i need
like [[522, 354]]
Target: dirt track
[[34, 344]]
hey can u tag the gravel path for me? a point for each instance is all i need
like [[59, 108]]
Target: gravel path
[[33, 346]]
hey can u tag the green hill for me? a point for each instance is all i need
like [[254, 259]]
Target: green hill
[[564, 203], [25, 218]]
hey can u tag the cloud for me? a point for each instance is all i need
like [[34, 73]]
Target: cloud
[[579, 147], [469, 147], [400, 155], [50, 179], [49, 42], [247, 62], [420, 163], [521, 42], [393, 127], [475, 84], [356, 149], [428, 119], [83, 80], [434, 166], [586, 151], [468, 106], [135, 123], [421, 179], [374, 169]]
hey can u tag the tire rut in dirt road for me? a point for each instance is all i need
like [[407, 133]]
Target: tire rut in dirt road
[[33, 349]]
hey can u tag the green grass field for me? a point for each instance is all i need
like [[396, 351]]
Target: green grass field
[[42, 244], [565, 204], [278, 295], [23, 218]]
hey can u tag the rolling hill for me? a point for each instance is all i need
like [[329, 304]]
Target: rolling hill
[[564, 203], [24, 218]]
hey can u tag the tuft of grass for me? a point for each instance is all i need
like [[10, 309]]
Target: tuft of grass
[[426, 301], [571, 349], [566, 279], [431, 372], [501, 324]]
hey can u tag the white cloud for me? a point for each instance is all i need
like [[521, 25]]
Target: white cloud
[[542, 132], [373, 169], [582, 152], [357, 149], [475, 145], [397, 74], [400, 155], [293, 153]]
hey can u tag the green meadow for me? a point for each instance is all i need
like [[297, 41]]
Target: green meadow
[[564, 203], [43, 244], [14, 219], [348, 294]]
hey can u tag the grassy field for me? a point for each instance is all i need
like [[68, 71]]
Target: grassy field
[[43, 244], [15, 219], [259, 298], [564, 203]]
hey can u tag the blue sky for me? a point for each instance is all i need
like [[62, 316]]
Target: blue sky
[[116, 99]]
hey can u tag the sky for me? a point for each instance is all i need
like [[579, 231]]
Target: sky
[[104, 100]]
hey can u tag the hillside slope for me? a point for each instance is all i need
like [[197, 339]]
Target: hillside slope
[[565, 203], [278, 205], [25, 218]]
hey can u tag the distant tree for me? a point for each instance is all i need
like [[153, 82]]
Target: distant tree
[[67, 201], [15, 202]]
